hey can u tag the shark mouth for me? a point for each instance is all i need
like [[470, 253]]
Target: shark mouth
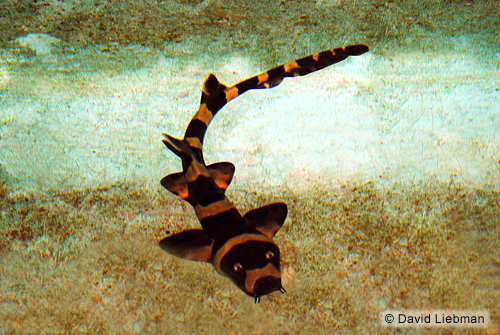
[[267, 285]]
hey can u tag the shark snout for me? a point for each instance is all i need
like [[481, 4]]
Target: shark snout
[[266, 285]]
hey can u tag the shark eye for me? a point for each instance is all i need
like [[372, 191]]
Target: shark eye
[[237, 267], [269, 255]]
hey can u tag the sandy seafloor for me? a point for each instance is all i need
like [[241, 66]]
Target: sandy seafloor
[[389, 164]]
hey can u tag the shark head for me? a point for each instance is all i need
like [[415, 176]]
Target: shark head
[[254, 265], [249, 257]]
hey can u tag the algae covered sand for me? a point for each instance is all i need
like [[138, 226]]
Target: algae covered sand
[[87, 261]]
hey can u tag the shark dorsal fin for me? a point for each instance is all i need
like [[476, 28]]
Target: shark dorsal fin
[[267, 219], [193, 245], [222, 173]]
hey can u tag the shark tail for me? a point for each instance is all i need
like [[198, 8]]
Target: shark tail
[[216, 95]]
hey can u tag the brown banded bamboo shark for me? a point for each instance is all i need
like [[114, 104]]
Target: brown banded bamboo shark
[[239, 247]]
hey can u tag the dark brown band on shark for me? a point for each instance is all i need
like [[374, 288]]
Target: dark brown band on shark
[[223, 225], [239, 239], [211, 94], [203, 191], [213, 209], [196, 128]]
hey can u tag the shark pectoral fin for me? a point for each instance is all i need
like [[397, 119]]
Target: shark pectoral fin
[[193, 245], [267, 219], [176, 183], [222, 173]]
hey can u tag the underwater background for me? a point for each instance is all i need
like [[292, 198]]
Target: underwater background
[[389, 162]]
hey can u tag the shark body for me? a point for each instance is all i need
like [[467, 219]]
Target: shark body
[[239, 247]]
